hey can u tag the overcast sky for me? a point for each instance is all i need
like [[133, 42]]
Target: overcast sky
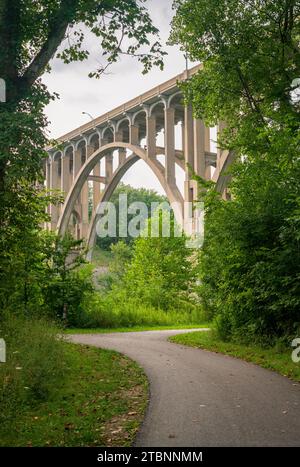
[[79, 93]]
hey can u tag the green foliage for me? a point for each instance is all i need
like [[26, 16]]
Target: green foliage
[[249, 265], [150, 283], [64, 298], [152, 277], [68, 280], [251, 56], [31, 33], [249, 268], [134, 195], [24, 250], [121, 257], [161, 272], [45, 277], [83, 389], [36, 366], [117, 309]]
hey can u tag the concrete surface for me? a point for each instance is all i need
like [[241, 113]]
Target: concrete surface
[[200, 398]]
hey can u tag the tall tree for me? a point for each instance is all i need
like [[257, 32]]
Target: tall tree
[[133, 195], [250, 79], [161, 272], [32, 32]]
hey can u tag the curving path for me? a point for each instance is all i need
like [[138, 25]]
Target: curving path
[[200, 398]]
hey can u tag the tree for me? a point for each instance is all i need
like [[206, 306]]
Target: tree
[[139, 195], [249, 265], [161, 273], [31, 34], [68, 281], [251, 57], [24, 250], [121, 257]]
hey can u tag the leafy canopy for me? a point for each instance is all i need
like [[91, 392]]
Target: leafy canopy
[[32, 32], [249, 265]]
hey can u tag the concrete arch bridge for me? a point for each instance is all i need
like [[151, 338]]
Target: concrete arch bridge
[[130, 132]]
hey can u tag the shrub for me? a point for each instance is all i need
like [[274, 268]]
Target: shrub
[[249, 264], [117, 310], [36, 364], [64, 296]]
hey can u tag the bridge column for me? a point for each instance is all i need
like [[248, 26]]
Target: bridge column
[[118, 136], [122, 156], [207, 173], [188, 213], [222, 155], [71, 167], [108, 167], [188, 139], [170, 145], [151, 135], [77, 206], [207, 138], [90, 149], [85, 195], [189, 185], [54, 185], [182, 136], [96, 186], [221, 126], [199, 147], [65, 174], [134, 135], [47, 178], [76, 162]]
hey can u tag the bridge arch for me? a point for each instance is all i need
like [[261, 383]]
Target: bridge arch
[[172, 191]]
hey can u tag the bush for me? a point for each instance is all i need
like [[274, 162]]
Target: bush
[[36, 365], [117, 310], [66, 295], [161, 273], [249, 264]]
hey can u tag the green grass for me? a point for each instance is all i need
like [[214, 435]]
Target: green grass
[[133, 329], [101, 404], [275, 359], [101, 257]]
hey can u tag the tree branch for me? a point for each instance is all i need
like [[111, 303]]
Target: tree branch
[[58, 26]]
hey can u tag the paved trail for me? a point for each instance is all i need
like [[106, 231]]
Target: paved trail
[[200, 398]]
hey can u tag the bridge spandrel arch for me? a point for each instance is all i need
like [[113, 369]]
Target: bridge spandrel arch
[[171, 191], [155, 126]]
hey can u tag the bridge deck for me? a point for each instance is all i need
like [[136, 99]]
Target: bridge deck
[[133, 105]]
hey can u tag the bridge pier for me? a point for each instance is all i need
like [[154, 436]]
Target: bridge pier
[[151, 135], [170, 145], [96, 187], [54, 185]]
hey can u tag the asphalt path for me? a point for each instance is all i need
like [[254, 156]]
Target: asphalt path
[[200, 398]]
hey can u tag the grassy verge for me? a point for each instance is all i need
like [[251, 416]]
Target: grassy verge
[[275, 359], [133, 329], [101, 257], [101, 404]]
